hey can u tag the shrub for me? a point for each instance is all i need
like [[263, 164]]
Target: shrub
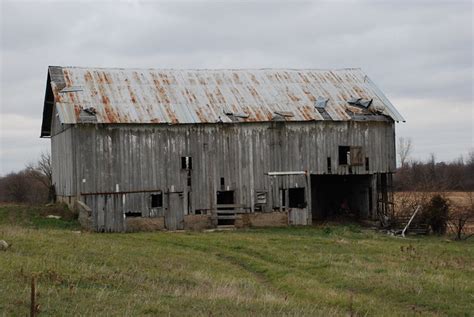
[[436, 214]]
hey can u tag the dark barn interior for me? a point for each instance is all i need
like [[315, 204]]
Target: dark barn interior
[[340, 196]]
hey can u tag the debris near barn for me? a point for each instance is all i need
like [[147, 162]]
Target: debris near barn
[[4, 245], [196, 149]]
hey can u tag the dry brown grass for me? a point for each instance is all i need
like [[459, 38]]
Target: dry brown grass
[[406, 202]]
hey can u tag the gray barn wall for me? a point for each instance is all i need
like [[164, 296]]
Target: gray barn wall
[[62, 159], [148, 157]]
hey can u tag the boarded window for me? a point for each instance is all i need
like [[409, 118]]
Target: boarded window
[[356, 156], [296, 198], [156, 200]]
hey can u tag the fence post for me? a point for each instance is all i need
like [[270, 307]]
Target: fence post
[[33, 297]]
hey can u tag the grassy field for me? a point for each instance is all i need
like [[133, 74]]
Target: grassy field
[[316, 271]]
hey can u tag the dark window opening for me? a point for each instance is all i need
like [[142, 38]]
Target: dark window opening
[[296, 198], [156, 200], [329, 165], [130, 214], [225, 197], [187, 163], [367, 167], [222, 182], [344, 155], [198, 212]]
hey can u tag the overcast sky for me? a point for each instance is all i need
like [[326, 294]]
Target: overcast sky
[[419, 53]]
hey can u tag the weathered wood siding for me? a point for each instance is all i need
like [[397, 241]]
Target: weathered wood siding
[[148, 157], [62, 158]]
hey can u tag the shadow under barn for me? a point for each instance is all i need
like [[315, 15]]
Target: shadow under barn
[[341, 196]]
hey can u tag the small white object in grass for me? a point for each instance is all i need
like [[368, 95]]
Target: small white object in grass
[[53, 217], [3, 245]]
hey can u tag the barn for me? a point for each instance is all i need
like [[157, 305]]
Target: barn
[[147, 149]]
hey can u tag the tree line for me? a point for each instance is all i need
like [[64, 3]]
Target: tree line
[[429, 175], [32, 185]]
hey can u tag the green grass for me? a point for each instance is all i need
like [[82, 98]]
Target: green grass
[[316, 271], [36, 216]]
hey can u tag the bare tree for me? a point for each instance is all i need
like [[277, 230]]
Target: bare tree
[[42, 172], [404, 149], [461, 217]]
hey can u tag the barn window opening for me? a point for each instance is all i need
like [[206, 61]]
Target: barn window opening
[[187, 163], [329, 165], [296, 198], [156, 200], [225, 208], [344, 155], [131, 214], [367, 166], [351, 155], [222, 182]]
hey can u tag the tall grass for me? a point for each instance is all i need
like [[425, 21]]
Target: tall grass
[[317, 271]]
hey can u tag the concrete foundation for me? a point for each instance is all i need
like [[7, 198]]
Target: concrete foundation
[[197, 222], [136, 224], [262, 219]]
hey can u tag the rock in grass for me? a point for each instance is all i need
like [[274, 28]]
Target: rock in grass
[[3, 245]]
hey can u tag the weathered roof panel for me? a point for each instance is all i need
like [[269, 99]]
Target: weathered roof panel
[[204, 96]]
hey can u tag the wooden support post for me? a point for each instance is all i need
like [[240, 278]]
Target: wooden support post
[[33, 297]]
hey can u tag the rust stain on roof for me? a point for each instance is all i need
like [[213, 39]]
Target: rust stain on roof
[[202, 96]]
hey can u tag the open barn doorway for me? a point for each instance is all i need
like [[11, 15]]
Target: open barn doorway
[[341, 197]]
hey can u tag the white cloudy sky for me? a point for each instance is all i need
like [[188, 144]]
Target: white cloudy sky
[[419, 52]]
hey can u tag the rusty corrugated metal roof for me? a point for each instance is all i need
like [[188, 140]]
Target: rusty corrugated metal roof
[[205, 96]]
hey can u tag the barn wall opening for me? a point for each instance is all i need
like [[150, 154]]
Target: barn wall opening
[[225, 208], [156, 200], [340, 196], [296, 198]]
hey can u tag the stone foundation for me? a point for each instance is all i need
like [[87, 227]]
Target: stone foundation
[[197, 222], [136, 224], [262, 219]]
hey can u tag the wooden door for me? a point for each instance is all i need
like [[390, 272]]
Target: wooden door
[[174, 212]]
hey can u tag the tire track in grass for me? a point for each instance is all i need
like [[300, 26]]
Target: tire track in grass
[[217, 252]]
